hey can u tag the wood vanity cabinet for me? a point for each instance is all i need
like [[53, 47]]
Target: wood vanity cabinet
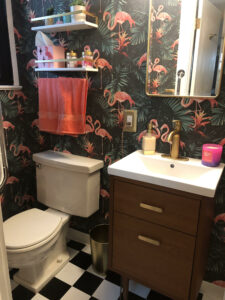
[[159, 237]]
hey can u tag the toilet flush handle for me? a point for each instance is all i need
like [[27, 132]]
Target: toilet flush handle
[[38, 166]]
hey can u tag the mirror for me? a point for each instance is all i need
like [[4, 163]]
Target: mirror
[[185, 48]]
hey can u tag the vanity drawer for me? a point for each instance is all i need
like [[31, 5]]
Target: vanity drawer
[[171, 210], [163, 263]]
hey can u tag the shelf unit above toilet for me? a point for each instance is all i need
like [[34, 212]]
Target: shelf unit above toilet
[[65, 27]]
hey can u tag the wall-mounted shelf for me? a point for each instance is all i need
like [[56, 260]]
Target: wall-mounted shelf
[[66, 27], [66, 69], [10, 87], [60, 27]]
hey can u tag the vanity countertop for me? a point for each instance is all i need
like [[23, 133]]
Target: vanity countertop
[[188, 176]]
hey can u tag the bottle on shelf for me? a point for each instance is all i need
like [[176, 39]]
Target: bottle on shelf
[[68, 57], [87, 59], [73, 55]]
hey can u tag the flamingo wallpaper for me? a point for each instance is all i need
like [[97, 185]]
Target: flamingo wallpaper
[[119, 45]]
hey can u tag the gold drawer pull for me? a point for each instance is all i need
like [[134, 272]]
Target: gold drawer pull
[[152, 208], [148, 240]]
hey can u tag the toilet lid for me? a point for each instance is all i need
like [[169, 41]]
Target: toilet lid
[[29, 228]]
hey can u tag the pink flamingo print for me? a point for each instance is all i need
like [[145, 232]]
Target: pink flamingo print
[[142, 59], [102, 132], [220, 283], [31, 64], [12, 179], [151, 65], [21, 148], [88, 5], [40, 139], [175, 44], [90, 126], [108, 159], [104, 193], [7, 125], [13, 94], [220, 217], [120, 18], [159, 68], [25, 198], [159, 35], [20, 109], [1, 198], [165, 134], [140, 136], [63, 151], [19, 36], [155, 128], [162, 16], [120, 97], [190, 101], [35, 123], [222, 142], [101, 63]]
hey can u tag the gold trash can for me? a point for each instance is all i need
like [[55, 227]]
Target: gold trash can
[[99, 237]]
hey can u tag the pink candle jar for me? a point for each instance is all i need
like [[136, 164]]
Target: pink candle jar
[[211, 154]]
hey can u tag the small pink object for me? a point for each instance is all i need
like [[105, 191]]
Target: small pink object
[[211, 155]]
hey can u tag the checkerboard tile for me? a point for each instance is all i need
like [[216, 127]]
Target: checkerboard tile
[[82, 260], [78, 281]]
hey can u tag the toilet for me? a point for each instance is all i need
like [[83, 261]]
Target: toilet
[[36, 239]]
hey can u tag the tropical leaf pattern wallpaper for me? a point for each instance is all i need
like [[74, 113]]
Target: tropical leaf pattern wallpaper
[[120, 45]]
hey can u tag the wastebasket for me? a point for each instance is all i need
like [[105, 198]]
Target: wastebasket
[[99, 237]]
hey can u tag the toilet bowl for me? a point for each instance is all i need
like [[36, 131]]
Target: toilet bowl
[[36, 245], [35, 239]]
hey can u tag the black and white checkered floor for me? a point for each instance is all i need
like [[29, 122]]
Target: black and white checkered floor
[[78, 281]]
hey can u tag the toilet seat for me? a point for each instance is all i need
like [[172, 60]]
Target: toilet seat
[[29, 229]]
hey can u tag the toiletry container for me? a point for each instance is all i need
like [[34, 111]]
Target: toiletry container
[[149, 141]]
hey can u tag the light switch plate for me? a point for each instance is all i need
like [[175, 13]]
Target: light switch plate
[[130, 120]]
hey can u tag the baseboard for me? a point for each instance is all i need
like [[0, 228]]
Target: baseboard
[[78, 236]]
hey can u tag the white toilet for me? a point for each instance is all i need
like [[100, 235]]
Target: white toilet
[[35, 239]]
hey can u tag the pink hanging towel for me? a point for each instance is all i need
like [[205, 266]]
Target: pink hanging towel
[[62, 105], [48, 104]]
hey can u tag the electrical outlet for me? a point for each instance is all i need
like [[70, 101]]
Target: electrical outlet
[[130, 120]]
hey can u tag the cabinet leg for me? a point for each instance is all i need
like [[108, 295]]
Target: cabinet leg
[[125, 285]]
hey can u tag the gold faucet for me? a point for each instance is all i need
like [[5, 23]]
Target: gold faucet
[[174, 140]]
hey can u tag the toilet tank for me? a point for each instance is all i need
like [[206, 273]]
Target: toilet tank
[[67, 182]]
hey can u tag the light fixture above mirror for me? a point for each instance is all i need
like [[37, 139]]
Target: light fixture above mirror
[[185, 48]]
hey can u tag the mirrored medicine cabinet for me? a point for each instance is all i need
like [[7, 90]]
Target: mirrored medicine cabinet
[[185, 48]]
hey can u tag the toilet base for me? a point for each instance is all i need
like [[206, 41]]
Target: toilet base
[[44, 277]]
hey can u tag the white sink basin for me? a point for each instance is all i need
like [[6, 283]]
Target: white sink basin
[[188, 176]]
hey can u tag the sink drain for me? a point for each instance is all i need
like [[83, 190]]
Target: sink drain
[[172, 166]]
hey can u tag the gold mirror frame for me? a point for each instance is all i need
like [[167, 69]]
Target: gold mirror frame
[[148, 63]]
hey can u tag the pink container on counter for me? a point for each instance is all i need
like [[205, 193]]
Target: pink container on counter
[[211, 154]]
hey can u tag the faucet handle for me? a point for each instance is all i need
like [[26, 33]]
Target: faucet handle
[[177, 125]]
